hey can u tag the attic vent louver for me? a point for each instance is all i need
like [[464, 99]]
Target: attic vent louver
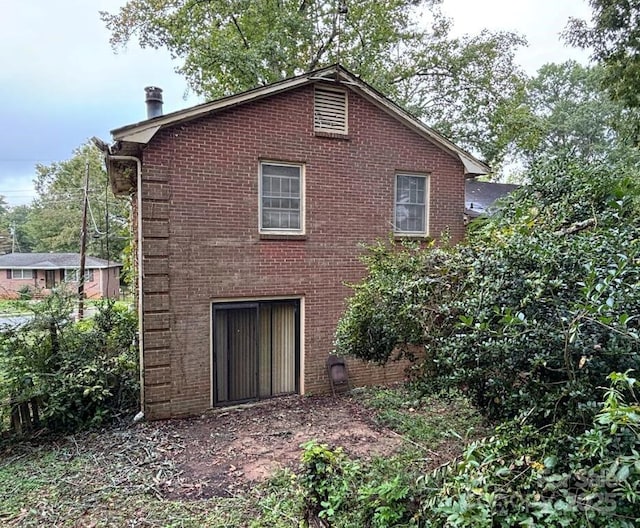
[[330, 112]]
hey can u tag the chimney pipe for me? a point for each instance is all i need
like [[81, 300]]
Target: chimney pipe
[[153, 98]]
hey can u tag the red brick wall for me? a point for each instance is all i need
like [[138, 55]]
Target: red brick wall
[[201, 240], [9, 288], [106, 284]]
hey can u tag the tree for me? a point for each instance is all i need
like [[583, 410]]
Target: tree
[[13, 236], [55, 218], [614, 38], [229, 46], [5, 227], [564, 112], [15, 222], [460, 85]]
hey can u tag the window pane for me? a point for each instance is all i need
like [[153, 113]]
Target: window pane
[[281, 197], [22, 274], [410, 206]]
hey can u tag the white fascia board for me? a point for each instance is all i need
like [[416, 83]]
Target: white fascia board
[[144, 131], [471, 165], [56, 267]]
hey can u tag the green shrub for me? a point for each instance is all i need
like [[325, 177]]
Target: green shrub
[[77, 374], [400, 298], [341, 493], [527, 477], [328, 480], [25, 293], [530, 314]]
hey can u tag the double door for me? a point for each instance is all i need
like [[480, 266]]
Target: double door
[[256, 348]]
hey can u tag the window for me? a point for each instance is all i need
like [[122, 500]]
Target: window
[[20, 274], [411, 204], [330, 111], [281, 198], [73, 275]]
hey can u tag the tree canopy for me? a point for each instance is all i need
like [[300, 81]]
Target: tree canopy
[[52, 222], [565, 112], [228, 47], [402, 47], [613, 36]]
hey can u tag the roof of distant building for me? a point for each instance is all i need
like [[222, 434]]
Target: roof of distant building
[[52, 261], [480, 196]]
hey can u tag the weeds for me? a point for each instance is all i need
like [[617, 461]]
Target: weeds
[[119, 476]]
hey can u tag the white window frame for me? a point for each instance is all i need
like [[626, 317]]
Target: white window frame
[[427, 193], [275, 230], [73, 275], [14, 273]]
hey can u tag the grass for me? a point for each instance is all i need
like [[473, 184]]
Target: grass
[[110, 478], [101, 480], [423, 419], [13, 306]]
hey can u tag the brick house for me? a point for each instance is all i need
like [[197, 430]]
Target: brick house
[[251, 211], [36, 274]]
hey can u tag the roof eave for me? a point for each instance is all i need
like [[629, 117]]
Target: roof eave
[[139, 134], [472, 166], [143, 131]]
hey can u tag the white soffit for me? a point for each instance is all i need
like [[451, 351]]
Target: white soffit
[[140, 136], [471, 166], [143, 132]]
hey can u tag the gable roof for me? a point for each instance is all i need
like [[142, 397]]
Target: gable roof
[[479, 196], [130, 138], [52, 261]]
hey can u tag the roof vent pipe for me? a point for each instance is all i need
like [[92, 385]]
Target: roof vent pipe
[[153, 98]]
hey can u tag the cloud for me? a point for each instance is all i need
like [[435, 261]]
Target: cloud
[[61, 83], [540, 21]]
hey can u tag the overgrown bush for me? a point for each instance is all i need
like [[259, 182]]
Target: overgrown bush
[[400, 298], [520, 476], [531, 313], [340, 493], [527, 477], [74, 374], [25, 293]]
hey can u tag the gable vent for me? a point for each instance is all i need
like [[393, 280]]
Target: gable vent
[[330, 112]]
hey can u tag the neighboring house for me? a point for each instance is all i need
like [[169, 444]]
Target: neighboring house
[[250, 213], [39, 273], [480, 197]]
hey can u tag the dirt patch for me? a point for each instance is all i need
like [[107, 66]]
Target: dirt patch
[[224, 452]]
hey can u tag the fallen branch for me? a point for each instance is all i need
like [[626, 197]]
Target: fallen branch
[[430, 451], [574, 228]]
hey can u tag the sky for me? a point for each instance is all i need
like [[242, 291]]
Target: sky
[[61, 83]]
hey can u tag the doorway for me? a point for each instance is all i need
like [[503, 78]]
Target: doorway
[[256, 350], [50, 279]]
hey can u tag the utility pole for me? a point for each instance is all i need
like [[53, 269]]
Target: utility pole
[[83, 243]]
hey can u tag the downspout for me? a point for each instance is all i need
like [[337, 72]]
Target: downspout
[[140, 272]]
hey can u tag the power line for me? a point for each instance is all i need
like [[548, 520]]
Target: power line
[[25, 160]]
